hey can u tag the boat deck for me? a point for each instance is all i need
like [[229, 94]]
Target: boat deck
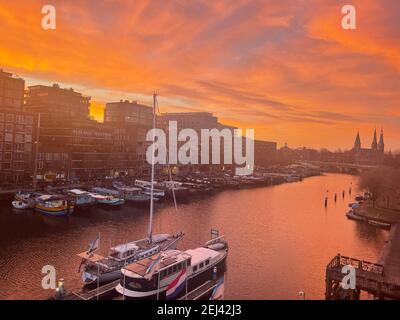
[[95, 293], [200, 291]]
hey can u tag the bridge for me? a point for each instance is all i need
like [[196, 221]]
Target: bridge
[[340, 166]]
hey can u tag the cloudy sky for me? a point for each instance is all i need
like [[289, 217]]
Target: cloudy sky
[[285, 68]]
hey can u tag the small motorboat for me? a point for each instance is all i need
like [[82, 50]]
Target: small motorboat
[[19, 204], [359, 198], [82, 198], [107, 200]]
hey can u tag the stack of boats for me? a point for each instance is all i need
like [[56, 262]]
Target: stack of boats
[[51, 204], [152, 267]]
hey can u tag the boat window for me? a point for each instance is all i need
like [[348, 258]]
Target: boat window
[[201, 265], [179, 266], [174, 269], [207, 262], [194, 268]]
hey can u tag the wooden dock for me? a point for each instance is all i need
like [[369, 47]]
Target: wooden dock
[[382, 280]]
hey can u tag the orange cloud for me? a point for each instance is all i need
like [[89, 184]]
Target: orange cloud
[[285, 68]]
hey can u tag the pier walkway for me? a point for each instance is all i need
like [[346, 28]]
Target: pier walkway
[[380, 279]]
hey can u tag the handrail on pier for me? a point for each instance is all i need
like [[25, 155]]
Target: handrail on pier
[[341, 261]]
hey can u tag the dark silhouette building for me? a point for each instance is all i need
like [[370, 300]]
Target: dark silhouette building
[[18, 132], [373, 155], [71, 144], [130, 121]]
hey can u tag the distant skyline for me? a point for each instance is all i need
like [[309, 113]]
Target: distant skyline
[[286, 69]]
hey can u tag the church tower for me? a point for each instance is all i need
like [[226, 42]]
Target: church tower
[[381, 144], [357, 142], [374, 145]]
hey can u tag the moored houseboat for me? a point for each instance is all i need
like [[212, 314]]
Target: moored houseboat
[[55, 205], [173, 273], [107, 200], [132, 194], [81, 197], [176, 188]]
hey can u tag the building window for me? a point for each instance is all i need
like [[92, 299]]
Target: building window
[[1, 117], [19, 119], [8, 137], [8, 156], [19, 147], [9, 127], [19, 138], [18, 156], [9, 118], [29, 120], [28, 147]]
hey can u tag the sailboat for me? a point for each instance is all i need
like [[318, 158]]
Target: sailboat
[[98, 269], [175, 274]]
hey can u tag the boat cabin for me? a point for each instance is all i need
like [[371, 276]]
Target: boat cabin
[[128, 250], [138, 276], [171, 184]]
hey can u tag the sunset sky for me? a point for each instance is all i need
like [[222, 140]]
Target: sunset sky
[[285, 68]]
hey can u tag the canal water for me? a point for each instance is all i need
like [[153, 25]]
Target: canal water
[[280, 238]]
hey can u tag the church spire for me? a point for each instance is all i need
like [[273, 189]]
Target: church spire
[[381, 144], [374, 145], [357, 143]]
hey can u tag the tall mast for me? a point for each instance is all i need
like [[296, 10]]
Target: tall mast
[[150, 232], [35, 160]]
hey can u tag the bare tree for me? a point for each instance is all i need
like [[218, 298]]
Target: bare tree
[[380, 182]]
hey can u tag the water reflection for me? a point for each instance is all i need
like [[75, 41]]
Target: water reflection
[[280, 238]]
